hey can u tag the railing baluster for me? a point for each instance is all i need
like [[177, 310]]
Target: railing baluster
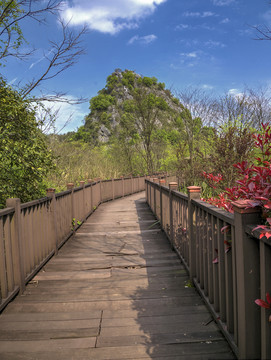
[[9, 254], [228, 282], [210, 258], [3, 275], [16, 236], [197, 211], [205, 253], [234, 286], [221, 271], [215, 265], [201, 277]]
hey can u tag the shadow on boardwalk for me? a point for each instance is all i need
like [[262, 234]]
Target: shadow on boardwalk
[[115, 291], [173, 318]]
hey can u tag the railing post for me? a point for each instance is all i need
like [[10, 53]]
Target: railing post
[[156, 181], [147, 188], [17, 246], [82, 185], [70, 186], [265, 258], [51, 193], [101, 195], [172, 186], [99, 181], [113, 189], [162, 182], [248, 280], [132, 184], [122, 181], [193, 193], [90, 181]]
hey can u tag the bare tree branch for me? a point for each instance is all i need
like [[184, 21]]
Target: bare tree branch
[[13, 13], [62, 56], [60, 97], [264, 32]]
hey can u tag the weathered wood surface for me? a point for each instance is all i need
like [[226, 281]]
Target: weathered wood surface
[[116, 290]]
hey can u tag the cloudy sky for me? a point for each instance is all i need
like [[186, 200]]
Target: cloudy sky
[[206, 43]]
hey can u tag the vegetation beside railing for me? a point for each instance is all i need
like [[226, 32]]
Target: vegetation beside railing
[[228, 263], [31, 233]]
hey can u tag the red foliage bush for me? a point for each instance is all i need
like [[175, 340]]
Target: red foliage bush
[[254, 181]]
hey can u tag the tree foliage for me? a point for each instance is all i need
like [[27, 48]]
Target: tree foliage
[[24, 157], [101, 102]]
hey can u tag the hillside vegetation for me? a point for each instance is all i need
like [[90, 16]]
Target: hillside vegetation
[[135, 126]]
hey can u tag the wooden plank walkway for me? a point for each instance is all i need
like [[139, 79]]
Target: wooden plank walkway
[[116, 290]]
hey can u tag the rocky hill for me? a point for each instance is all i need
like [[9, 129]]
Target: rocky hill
[[110, 105]]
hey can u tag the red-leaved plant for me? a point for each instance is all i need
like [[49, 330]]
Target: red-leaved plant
[[265, 304], [254, 183]]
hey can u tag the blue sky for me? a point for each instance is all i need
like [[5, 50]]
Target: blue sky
[[204, 43]]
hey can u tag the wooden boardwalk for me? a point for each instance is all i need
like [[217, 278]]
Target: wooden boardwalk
[[116, 290]]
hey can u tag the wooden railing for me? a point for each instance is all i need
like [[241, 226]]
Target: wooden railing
[[31, 233], [227, 262]]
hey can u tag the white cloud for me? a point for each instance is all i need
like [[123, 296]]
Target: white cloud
[[191, 59], [199, 14], [246, 32], [206, 27], [147, 39], [225, 21], [109, 16], [182, 27], [190, 55], [12, 81], [196, 27], [207, 87], [40, 59], [235, 93], [223, 2], [214, 44], [68, 117], [267, 17]]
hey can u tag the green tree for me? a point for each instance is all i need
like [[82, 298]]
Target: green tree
[[145, 113], [24, 156], [101, 102], [233, 143]]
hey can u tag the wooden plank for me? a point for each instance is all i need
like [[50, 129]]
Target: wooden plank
[[46, 345], [61, 316], [117, 293], [49, 324], [155, 339], [50, 334], [194, 351]]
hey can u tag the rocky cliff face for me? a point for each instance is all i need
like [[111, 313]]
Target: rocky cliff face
[[109, 105]]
